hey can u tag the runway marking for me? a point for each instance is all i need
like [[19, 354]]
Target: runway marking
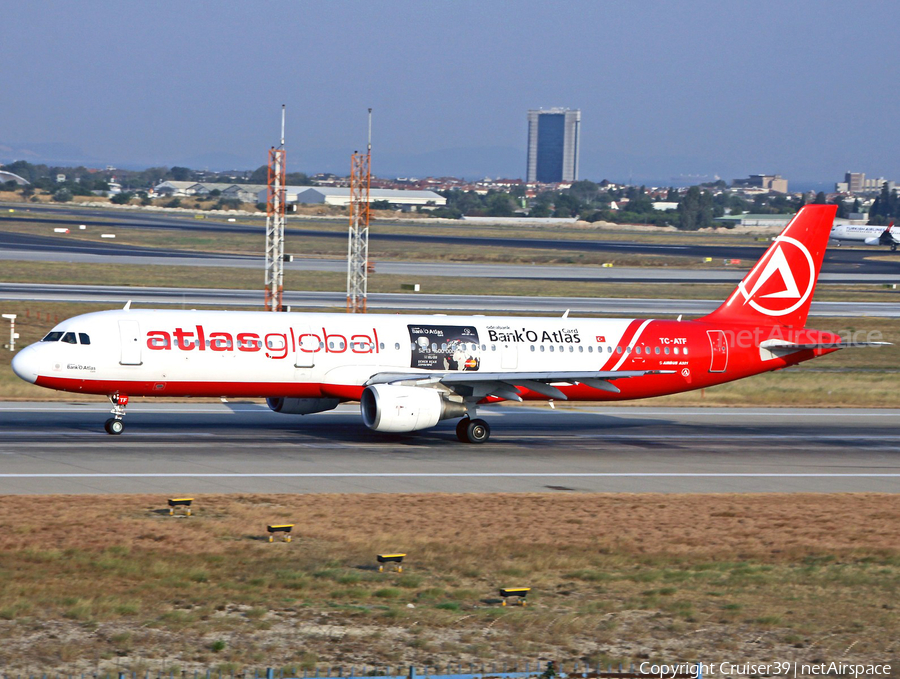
[[368, 475]]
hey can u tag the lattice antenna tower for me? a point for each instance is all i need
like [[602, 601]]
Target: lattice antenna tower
[[275, 210], [358, 245]]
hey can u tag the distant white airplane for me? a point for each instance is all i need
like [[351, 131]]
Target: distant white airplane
[[870, 235]]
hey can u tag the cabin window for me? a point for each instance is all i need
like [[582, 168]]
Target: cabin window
[[444, 346], [676, 350], [381, 345], [609, 349], [591, 350], [552, 348], [656, 351], [493, 347], [618, 350], [474, 347], [532, 347], [667, 351], [434, 347], [637, 350], [331, 345], [685, 351], [52, 337], [84, 338], [542, 347], [69, 338], [580, 350], [627, 350], [397, 346]]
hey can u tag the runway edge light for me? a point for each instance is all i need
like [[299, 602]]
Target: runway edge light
[[392, 559], [283, 528], [183, 502], [517, 593]]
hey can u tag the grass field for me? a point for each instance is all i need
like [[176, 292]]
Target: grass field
[[114, 582]]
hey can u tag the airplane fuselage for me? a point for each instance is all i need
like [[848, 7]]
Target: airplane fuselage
[[298, 355]]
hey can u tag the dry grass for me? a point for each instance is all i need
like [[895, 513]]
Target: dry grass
[[89, 582]]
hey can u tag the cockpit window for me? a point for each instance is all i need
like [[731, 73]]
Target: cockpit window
[[52, 337], [69, 338], [84, 338]]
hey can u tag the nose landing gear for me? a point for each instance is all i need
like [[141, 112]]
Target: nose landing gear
[[114, 425], [473, 430]]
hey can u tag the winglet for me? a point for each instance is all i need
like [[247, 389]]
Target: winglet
[[127, 305]]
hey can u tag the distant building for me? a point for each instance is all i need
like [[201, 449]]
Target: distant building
[[246, 193], [856, 182], [340, 196], [766, 182], [554, 138]]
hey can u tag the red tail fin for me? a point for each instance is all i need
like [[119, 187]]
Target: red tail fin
[[779, 288]]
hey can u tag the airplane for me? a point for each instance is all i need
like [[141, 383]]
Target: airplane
[[409, 372], [868, 234]]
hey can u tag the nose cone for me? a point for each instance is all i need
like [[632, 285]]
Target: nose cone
[[25, 364]]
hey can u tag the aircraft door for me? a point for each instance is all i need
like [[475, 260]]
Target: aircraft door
[[307, 347], [719, 351], [130, 343]]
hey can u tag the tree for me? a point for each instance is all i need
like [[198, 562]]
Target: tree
[[820, 198], [566, 205], [842, 211], [260, 175], [122, 198], [181, 174], [62, 196], [584, 191], [695, 210]]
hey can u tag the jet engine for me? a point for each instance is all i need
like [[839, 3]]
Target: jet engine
[[394, 408], [301, 406]]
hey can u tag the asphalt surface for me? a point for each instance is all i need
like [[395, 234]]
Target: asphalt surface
[[837, 260], [463, 304], [175, 449]]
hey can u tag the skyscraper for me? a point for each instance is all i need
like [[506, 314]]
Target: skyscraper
[[554, 136]]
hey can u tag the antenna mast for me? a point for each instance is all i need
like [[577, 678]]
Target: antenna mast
[[358, 245], [275, 209]]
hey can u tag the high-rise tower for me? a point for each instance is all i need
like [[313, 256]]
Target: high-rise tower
[[554, 138]]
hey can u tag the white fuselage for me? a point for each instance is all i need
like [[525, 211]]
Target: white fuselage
[[860, 233], [230, 353]]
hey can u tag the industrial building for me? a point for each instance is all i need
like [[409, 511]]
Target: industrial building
[[764, 182], [246, 193], [554, 138], [856, 182], [340, 197]]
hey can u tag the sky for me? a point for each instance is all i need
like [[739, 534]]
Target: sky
[[666, 89]]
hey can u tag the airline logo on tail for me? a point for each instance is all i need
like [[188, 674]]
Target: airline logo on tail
[[776, 282]]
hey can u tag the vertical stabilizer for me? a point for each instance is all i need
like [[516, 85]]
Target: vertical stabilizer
[[779, 288]]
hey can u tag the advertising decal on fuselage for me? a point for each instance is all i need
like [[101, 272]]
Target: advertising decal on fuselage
[[444, 347]]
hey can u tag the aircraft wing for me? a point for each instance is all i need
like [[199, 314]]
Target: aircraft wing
[[478, 385]]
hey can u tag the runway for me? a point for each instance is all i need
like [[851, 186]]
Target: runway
[[46, 249], [175, 449], [837, 260], [413, 302]]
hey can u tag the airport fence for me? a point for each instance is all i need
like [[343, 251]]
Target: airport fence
[[542, 669]]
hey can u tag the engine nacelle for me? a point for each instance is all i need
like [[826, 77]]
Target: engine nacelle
[[301, 406], [874, 240], [389, 407]]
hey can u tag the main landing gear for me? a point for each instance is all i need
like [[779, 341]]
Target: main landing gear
[[114, 425], [473, 431]]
